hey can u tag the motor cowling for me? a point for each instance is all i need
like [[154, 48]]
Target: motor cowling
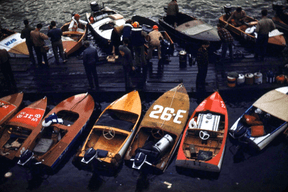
[[89, 155], [25, 157], [94, 6]]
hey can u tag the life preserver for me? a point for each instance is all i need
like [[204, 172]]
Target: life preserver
[[192, 124]]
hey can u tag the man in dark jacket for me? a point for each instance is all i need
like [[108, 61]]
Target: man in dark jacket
[[90, 57], [127, 62], [25, 34], [138, 40], [6, 69], [55, 35], [202, 63]]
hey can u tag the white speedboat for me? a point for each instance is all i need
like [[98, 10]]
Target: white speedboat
[[264, 120], [102, 21], [12, 42]]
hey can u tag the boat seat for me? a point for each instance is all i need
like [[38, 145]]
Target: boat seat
[[116, 16], [43, 145]]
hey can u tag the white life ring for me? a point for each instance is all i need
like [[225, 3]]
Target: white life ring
[[192, 124]]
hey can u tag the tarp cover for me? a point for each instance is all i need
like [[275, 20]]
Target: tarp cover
[[191, 29], [275, 103], [109, 119]]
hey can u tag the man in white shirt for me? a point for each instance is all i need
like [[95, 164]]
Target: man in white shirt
[[76, 24]]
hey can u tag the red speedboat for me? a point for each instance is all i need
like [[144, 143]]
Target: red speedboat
[[203, 142]]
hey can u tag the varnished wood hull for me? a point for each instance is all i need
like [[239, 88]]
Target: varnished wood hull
[[122, 116], [72, 40], [9, 106], [215, 143], [167, 115], [19, 127], [278, 40], [75, 112], [13, 43]]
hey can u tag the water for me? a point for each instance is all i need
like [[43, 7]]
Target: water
[[263, 171]]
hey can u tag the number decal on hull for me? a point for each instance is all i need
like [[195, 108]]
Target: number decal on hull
[[167, 114]]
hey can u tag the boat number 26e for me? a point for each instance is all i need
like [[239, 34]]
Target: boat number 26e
[[166, 113]]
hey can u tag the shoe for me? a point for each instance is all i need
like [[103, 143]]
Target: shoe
[[65, 61]]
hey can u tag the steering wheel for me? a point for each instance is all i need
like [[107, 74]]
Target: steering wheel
[[204, 135], [157, 133], [108, 133]]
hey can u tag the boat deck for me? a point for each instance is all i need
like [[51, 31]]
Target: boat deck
[[71, 77]]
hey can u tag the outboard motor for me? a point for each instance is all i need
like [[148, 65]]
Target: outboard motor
[[139, 160], [163, 144], [95, 6], [91, 153], [25, 157]]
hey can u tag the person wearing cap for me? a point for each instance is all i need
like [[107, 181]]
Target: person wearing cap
[[238, 17], [90, 58], [202, 64], [154, 42], [172, 12], [76, 22], [138, 39]]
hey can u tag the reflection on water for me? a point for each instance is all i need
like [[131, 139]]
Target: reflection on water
[[12, 12]]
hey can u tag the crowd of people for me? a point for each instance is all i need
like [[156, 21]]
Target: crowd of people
[[128, 41]]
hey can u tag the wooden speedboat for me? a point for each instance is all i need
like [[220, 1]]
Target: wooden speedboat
[[147, 25], [12, 42], [102, 21], [160, 131], [247, 33], [203, 142], [9, 106], [72, 40], [50, 140], [263, 121], [112, 133], [20, 126], [192, 31]]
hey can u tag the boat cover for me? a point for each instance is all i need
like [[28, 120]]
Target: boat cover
[[275, 103], [110, 120], [194, 27]]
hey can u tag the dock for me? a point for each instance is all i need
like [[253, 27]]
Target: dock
[[70, 78]]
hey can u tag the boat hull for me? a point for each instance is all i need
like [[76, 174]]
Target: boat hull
[[75, 112], [13, 43], [18, 127], [192, 158], [165, 118], [9, 106], [273, 124], [122, 116]]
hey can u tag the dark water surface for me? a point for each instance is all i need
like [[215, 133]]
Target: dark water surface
[[241, 170]]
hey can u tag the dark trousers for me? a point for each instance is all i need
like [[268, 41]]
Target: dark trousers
[[31, 54], [225, 46], [39, 55], [58, 46], [8, 74], [201, 76], [261, 45], [92, 76]]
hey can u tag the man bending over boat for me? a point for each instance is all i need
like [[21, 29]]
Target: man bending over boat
[[75, 24], [238, 17]]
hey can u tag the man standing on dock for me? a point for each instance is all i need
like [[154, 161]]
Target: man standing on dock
[[55, 35], [25, 34], [38, 40], [227, 41], [202, 63], [6, 69], [90, 57], [264, 26]]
